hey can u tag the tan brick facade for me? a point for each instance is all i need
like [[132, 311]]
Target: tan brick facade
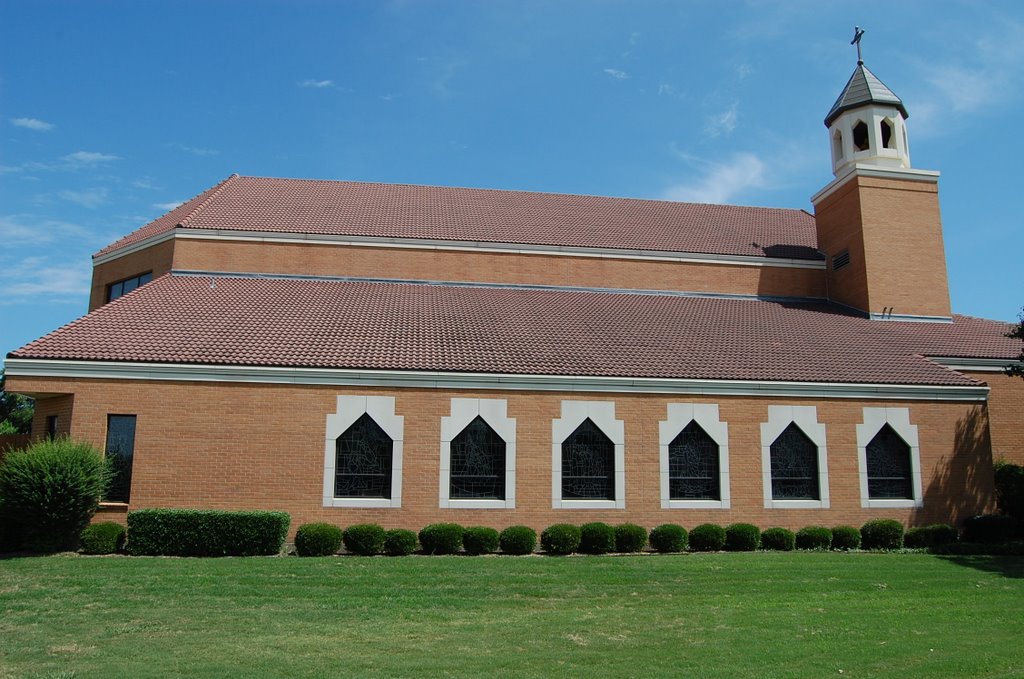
[[236, 446], [1006, 415], [157, 258]]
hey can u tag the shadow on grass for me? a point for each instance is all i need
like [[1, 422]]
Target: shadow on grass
[[1007, 566]]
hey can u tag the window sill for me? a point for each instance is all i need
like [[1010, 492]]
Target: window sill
[[796, 504], [904, 503], [366, 502], [477, 504], [695, 504], [588, 504], [113, 507]]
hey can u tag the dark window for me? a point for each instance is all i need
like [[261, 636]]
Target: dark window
[[51, 427], [888, 458], [693, 465], [588, 464], [886, 134], [794, 460], [363, 462], [127, 285], [477, 463], [860, 136], [120, 451]]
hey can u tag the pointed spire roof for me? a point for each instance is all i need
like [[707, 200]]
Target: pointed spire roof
[[863, 88]]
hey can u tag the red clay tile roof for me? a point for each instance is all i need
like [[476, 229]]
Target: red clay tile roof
[[404, 326], [336, 208]]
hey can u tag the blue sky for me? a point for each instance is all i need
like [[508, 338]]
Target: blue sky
[[113, 112]]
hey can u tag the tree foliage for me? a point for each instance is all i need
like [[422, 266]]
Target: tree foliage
[[16, 411], [1018, 333]]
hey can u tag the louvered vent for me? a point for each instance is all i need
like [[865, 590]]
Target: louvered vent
[[840, 260]]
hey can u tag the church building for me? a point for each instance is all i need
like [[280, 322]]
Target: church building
[[352, 352]]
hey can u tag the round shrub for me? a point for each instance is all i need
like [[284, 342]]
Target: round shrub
[[881, 534], [480, 540], [103, 538], [943, 534], [1009, 480], [742, 537], [50, 490], [845, 537], [989, 528], [926, 537], [669, 537], [596, 538], [778, 539], [518, 540], [399, 542], [707, 537], [560, 538], [814, 537], [441, 538], [630, 537], [917, 538], [317, 539], [364, 539]]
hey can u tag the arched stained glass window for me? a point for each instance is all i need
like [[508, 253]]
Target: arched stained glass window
[[588, 464], [888, 462], [794, 460], [693, 472], [363, 467], [477, 463]]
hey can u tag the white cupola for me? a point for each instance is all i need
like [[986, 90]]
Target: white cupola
[[867, 125]]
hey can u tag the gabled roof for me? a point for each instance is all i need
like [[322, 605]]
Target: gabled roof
[[338, 208], [343, 324], [861, 89]]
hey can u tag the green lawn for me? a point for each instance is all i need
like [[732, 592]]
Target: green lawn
[[698, 615]]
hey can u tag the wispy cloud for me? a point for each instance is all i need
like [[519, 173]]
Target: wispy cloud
[[316, 84], [721, 182], [146, 183], [32, 278], [80, 159], [722, 123], [195, 150], [32, 124], [90, 198], [168, 206], [616, 73], [20, 229]]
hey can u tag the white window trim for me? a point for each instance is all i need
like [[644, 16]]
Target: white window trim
[[493, 412], [601, 413], [679, 417], [805, 417], [899, 420], [350, 409]]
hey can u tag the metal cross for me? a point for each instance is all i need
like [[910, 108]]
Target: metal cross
[[858, 33]]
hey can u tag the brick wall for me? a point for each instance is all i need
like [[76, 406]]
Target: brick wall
[[235, 446], [1006, 415], [157, 258]]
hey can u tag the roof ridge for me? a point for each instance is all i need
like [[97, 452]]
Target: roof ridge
[[216, 192]]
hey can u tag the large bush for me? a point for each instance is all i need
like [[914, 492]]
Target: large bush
[[926, 537], [707, 537], [989, 528], [364, 539], [1010, 489], [480, 540], [50, 491], [518, 540], [778, 540], [103, 538], [561, 538], [399, 542], [317, 539], [845, 537], [814, 537], [742, 537], [441, 538], [596, 538], [881, 534], [630, 537], [669, 537], [205, 532]]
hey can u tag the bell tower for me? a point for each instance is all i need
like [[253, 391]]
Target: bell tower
[[878, 221]]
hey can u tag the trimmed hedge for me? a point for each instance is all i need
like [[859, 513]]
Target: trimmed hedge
[[399, 542], [881, 534], [364, 539], [669, 537], [205, 532], [317, 539], [924, 537], [630, 537], [560, 539], [707, 537], [50, 491], [480, 540], [518, 540], [103, 538], [845, 537], [742, 537], [989, 528], [441, 538], [596, 538], [778, 540], [814, 537]]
